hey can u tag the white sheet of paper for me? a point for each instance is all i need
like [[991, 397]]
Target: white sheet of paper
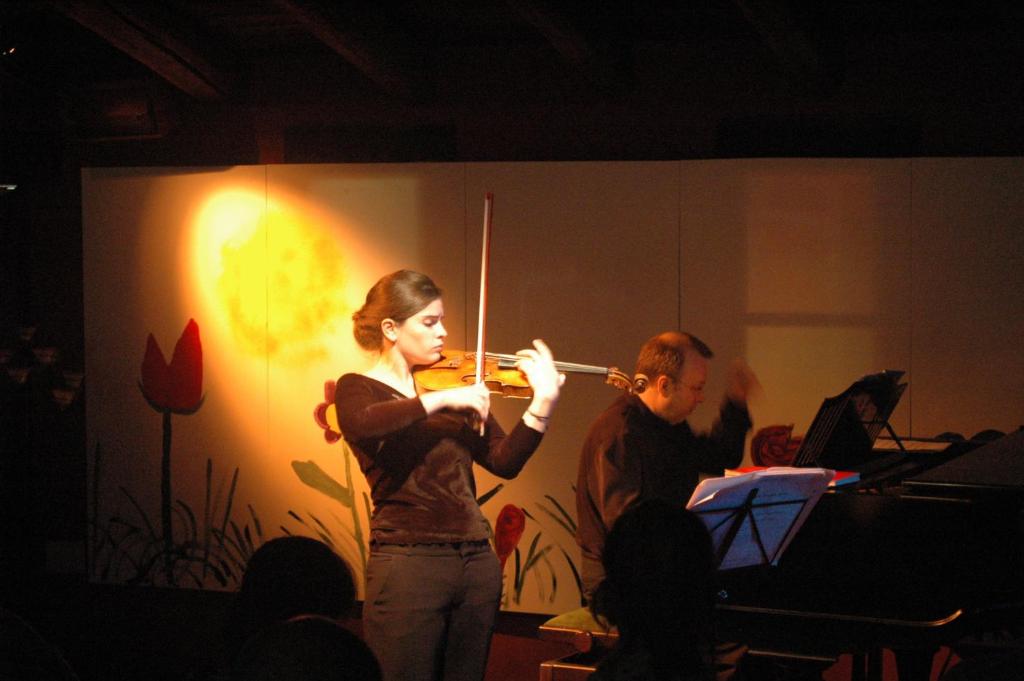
[[784, 498]]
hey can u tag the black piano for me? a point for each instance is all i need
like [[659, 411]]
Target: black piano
[[925, 551]]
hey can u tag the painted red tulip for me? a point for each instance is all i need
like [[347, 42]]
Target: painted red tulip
[[507, 531], [176, 387], [326, 415], [774, 446]]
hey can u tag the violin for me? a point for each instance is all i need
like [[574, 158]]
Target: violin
[[457, 368]]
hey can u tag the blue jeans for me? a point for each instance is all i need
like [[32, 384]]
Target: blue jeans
[[429, 609]]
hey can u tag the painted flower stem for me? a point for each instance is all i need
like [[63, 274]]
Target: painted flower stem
[[165, 498]]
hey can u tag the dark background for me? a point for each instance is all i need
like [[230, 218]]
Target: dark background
[[189, 82]]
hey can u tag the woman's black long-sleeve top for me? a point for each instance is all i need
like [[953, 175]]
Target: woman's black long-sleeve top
[[420, 467]]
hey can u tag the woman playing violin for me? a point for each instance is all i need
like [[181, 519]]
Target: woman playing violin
[[433, 583]]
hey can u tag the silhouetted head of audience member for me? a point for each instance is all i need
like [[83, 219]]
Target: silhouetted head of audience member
[[285, 577], [305, 648], [659, 590]]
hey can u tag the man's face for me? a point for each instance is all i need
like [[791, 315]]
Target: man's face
[[680, 397]]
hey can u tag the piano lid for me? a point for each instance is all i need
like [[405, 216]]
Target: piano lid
[[911, 561], [993, 468]]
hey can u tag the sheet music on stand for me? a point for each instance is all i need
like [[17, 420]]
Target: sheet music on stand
[[844, 430], [753, 517]]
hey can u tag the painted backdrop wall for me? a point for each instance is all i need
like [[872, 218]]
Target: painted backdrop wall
[[816, 271]]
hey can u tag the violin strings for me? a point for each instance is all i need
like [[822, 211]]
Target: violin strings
[[564, 366]]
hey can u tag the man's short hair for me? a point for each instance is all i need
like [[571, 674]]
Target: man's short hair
[[663, 354]]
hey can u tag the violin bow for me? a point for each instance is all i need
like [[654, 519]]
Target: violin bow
[[485, 257]]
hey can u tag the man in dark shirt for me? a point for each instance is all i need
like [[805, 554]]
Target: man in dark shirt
[[641, 447]]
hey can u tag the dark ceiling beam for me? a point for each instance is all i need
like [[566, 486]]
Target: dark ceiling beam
[[368, 58], [797, 52], [571, 45], [150, 44]]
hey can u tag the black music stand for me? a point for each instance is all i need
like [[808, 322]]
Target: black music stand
[[844, 430], [753, 517]]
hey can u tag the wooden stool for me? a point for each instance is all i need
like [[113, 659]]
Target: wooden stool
[[591, 638]]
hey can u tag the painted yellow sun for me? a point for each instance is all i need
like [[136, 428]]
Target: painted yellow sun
[[275, 274]]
